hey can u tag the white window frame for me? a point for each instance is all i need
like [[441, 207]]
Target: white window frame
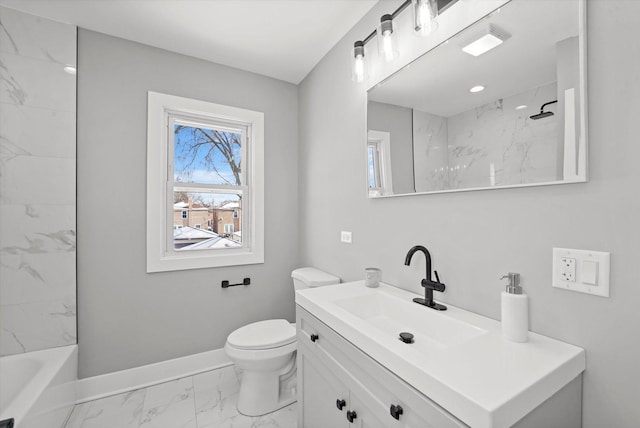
[[160, 254]]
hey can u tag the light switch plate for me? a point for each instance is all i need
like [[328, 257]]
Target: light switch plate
[[591, 271]]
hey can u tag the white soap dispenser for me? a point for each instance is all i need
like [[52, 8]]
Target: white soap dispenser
[[515, 310]]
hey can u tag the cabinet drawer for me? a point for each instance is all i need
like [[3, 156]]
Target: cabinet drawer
[[377, 386]]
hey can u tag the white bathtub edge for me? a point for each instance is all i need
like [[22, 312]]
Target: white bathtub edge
[[93, 388]]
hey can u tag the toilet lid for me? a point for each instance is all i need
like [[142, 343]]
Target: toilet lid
[[263, 335]]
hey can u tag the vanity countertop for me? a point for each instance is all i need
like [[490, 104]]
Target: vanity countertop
[[482, 379]]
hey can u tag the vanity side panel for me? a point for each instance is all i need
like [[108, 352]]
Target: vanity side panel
[[563, 409]]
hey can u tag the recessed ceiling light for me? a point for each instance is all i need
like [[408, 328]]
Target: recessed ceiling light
[[70, 69], [488, 40], [477, 88], [521, 107]]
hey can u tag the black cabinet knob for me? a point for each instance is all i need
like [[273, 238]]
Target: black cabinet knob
[[351, 415], [395, 411], [340, 404], [314, 337]]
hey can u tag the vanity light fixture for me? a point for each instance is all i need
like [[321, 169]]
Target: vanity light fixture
[[478, 88], [424, 21], [425, 13], [387, 46], [491, 38], [71, 69]]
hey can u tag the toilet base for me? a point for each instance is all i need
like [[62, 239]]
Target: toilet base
[[265, 392]]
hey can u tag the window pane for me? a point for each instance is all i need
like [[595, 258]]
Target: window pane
[[216, 211], [207, 155]]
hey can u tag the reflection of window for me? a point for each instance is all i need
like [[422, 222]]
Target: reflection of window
[[212, 158], [228, 228], [379, 163]]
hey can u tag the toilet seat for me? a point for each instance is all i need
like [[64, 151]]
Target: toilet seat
[[266, 334]]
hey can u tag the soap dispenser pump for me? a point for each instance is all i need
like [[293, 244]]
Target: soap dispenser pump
[[515, 310]]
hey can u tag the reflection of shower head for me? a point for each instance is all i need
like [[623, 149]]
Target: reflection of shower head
[[543, 113]]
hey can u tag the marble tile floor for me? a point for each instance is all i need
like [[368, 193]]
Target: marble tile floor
[[206, 400]]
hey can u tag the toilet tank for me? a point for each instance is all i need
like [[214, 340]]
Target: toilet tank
[[307, 277]]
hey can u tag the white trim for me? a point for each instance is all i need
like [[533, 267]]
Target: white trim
[[93, 388], [158, 259]]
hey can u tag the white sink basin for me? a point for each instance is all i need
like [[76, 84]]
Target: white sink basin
[[392, 316]]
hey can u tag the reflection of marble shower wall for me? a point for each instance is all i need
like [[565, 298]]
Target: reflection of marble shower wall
[[430, 160], [37, 183], [494, 144]]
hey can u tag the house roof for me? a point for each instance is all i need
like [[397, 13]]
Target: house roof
[[190, 233], [217, 242]]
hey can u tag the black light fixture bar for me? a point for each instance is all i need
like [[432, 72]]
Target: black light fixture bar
[[442, 5]]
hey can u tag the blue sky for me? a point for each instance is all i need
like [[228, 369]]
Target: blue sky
[[201, 169]]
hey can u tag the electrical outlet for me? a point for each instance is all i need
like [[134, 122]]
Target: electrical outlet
[[345, 237], [584, 271], [568, 269]]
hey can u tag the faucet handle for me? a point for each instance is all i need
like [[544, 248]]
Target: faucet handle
[[437, 277]]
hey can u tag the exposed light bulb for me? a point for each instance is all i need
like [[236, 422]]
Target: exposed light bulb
[[386, 39], [359, 68], [387, 46], [358, 62], [424, 13]]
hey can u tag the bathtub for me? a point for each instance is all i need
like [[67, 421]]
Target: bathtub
[[38, 389]]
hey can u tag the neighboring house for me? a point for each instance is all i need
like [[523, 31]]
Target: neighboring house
[[191, 215], [226, 219], [185, 235]]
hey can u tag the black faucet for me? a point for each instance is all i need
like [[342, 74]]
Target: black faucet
[[428, 284]]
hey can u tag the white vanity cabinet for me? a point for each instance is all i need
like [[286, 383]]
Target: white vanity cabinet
[[332, 373]]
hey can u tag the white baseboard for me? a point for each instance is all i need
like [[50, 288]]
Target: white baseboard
[[93, 388]]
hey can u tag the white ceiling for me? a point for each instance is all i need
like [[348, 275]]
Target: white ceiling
[[283, 39]]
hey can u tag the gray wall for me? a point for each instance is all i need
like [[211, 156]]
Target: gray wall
[[398, 121], [475, 237], [127, 317]]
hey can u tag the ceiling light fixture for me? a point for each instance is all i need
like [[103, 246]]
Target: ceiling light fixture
[[488, 40], [425, 13], [478, 88]]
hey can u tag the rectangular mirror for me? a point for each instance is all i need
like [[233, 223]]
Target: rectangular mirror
[[500, 104]]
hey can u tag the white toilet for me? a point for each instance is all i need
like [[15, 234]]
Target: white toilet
[[266, 352]]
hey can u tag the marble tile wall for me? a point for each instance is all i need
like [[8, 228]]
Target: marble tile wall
[[37, 183], [495, 144]]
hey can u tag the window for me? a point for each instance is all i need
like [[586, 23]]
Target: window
[[379, 163], [202, 159]]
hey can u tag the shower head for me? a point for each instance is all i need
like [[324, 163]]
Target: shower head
[[543, 113]]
